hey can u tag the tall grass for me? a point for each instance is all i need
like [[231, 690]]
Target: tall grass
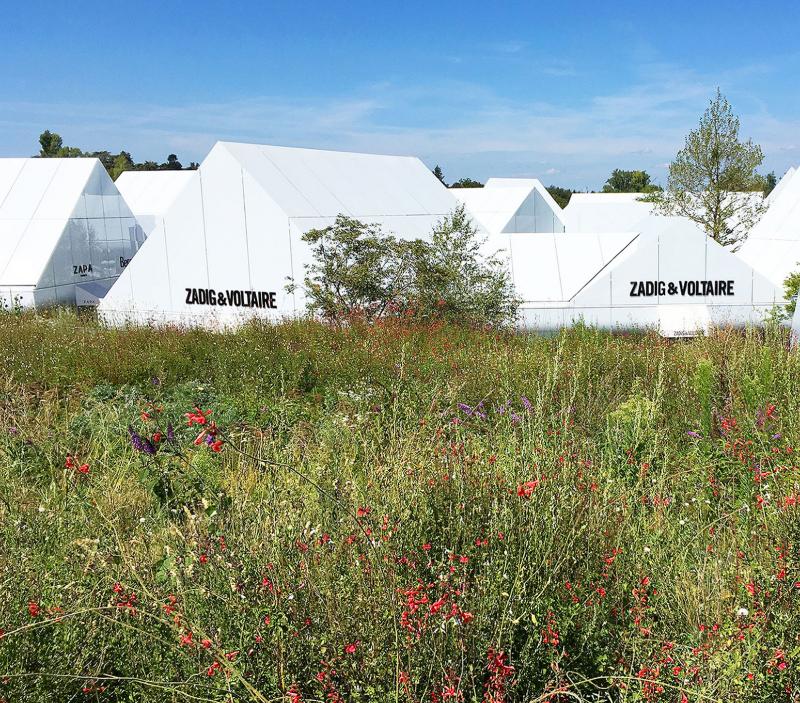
[[397, 513]]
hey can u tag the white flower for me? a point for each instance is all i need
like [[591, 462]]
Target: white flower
[[742, 613]]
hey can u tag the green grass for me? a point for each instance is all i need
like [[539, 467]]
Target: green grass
[[363, 537]]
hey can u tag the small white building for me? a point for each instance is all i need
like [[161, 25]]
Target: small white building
[[225, 248], [150, 193], [66, 234]]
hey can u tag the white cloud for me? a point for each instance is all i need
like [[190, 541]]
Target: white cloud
[[466, 127]]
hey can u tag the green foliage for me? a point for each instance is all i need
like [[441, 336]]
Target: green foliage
[[116, 164], [561, 195], [770, 181], [395, 507], [454, 281], [437, 171], [360, 271], [713, 179], [791, 287], [621, 181], [466, 183], [704, 384]]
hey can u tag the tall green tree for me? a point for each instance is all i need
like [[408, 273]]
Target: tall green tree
[[50, 143], [713, 179], [621, 181], [437, 171]]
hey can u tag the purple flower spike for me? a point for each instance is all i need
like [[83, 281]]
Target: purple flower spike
[[527, 404], [776, 436], [466, 409], [693, 434], [170, 432]]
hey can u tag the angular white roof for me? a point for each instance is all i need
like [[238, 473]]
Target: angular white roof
[[150, 193], [773, 247], [512, 205], [782, 183], [317, 183], [62, 222], [238, 227]]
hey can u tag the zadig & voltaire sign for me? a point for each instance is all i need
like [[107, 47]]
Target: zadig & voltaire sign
[[231, 298], [647, 289]]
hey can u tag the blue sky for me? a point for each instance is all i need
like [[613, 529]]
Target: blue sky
[[561, 91]]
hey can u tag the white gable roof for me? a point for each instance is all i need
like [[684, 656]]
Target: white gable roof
[[318, 183], [773, 247], [512, 205], [150, 193], [782, 183]]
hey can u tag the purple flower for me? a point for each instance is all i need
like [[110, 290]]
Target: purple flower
[[693, 434], [527, 404], [140, 444], [776, 436], [155, 381], [466, 409], [170, 433], [515, 419]]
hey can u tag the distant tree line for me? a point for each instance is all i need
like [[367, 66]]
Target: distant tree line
[[52, 146]]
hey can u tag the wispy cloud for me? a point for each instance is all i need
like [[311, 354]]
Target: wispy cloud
[[464, 126]]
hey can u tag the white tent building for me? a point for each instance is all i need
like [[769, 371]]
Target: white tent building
[[773, 246], [65, 232], [668, 275], [227, 245], [150, 193], [507, 205]]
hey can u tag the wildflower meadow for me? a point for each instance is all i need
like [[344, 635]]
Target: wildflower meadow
[[393, 512]]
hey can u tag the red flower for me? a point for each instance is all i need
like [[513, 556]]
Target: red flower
[[426, 547], [34, 609], [351, 648], [525, 490]]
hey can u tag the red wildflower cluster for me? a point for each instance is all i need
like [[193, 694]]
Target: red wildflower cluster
[[124, 600], [71, 463], [550, 634], [501, 675], [420, 609]]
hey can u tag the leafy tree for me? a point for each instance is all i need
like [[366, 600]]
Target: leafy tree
[[455, 281], [123, 162], [51, 144], [770, 181], [621, 181], [467, 183], [791, 287], [172, 163], [561, 195], [437, 171], [711, 175], [359, 271]]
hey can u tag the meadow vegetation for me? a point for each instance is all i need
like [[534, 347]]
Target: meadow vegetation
[[396, 512]]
